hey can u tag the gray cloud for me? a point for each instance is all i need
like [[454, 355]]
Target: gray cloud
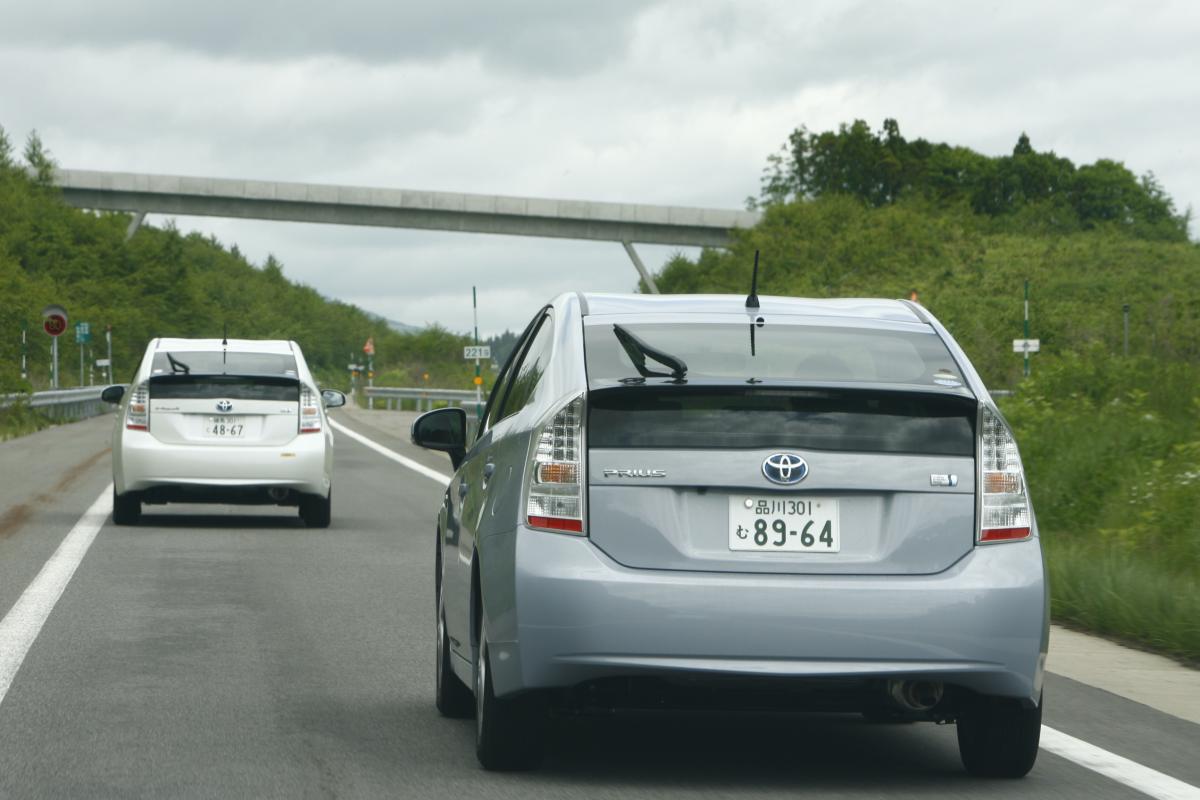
[[674, 102], [520, 35]]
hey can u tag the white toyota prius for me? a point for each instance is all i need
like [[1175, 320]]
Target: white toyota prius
[[223, 421]]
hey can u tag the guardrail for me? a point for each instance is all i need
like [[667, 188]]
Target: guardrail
[[63, 403], [424, 399]]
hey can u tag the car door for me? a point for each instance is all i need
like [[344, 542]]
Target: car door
[[467, 496]]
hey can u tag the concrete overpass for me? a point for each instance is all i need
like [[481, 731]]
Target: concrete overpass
[[627, 223]]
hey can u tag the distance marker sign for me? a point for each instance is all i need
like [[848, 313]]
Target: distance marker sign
[[54, 320]]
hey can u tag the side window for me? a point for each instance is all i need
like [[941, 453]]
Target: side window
[[491, 412], [530, 370]]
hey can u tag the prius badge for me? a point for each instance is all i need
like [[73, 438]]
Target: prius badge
[[784, 468], [635, 473]]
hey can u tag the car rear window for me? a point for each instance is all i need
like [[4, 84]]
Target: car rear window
[[776, 351], [207, 362], [850, 420], [230, 387]]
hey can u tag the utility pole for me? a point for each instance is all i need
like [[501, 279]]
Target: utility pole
[[478, 377], [108, 341], [24, 350]]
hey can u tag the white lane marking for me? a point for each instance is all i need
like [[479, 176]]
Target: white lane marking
[[1132, 774], [23, 622], [1118, 768], [392, 454]]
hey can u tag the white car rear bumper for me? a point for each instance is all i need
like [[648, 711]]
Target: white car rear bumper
[[146, 463]]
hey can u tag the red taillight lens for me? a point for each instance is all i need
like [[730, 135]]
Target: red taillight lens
[[557, 524], [1005, 513], [137, 412], [555, 488]]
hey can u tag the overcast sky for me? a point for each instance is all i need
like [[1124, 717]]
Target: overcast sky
[[676, 102]]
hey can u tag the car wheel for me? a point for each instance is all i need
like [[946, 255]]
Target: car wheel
[[127, 508], [453, 698], [510, 731], [316, 511], [998, 737]]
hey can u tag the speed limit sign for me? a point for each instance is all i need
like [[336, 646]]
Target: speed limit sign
[[54, 320]]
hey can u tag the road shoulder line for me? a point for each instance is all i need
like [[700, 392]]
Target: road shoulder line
[[1118, 768], [23, 622]]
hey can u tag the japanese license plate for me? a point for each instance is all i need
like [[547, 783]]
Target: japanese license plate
[[225, 427], [784, 524]]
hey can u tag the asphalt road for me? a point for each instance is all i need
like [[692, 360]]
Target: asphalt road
[[231, 652]]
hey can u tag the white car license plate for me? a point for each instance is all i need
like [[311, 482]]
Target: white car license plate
[[784, 524], [225, 427]]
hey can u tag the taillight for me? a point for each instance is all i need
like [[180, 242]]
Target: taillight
[[1005, 509], [310, 412], [555, 483], [137, 412]]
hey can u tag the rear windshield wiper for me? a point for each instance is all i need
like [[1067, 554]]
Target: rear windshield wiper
[[178, 366], [638, 351]]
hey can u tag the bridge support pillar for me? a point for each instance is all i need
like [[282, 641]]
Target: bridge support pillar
[[641, 268], [134, 224]]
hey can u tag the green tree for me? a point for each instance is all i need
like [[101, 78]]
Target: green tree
[[39, 159]]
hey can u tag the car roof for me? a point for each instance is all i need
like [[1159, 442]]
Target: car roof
[[865, 309], [234, 345]]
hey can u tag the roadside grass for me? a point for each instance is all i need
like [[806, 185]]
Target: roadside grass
[[1102, 589], [1112, 454], [19, 420]]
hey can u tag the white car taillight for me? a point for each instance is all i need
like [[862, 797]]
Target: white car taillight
[[137, 412], [1005, 509], [310, 412], [555, 488]]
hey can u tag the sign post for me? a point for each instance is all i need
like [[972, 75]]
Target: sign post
[[108, 341], [83, 335], [1026, 326], [54, 323], [24, 350], [369, 350]]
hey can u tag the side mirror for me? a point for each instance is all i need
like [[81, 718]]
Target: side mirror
[[442, 429], [333, 398], [113, 394]]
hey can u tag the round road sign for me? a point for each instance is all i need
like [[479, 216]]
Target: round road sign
[[54, 320]]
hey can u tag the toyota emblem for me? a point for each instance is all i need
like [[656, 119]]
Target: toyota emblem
[[225, 405], [784, 468]]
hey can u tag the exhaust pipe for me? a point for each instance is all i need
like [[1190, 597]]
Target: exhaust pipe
[[277, 493], [915, 695]]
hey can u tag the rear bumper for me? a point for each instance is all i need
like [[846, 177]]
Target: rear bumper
[[146, 463], [576, 616]]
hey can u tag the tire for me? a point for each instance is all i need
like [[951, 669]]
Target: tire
[[316, 511], [998, 737], [127, 508], [452, 697], [509, 732]]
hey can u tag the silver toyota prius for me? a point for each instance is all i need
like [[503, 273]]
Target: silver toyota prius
[[787, 504]]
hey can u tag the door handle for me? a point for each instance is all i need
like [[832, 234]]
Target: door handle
[[489, 469], [462, 489]]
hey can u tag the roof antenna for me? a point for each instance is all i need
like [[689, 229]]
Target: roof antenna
[[225, 336], [752, 298]]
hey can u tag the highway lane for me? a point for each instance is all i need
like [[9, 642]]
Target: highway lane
[[220, 651]]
